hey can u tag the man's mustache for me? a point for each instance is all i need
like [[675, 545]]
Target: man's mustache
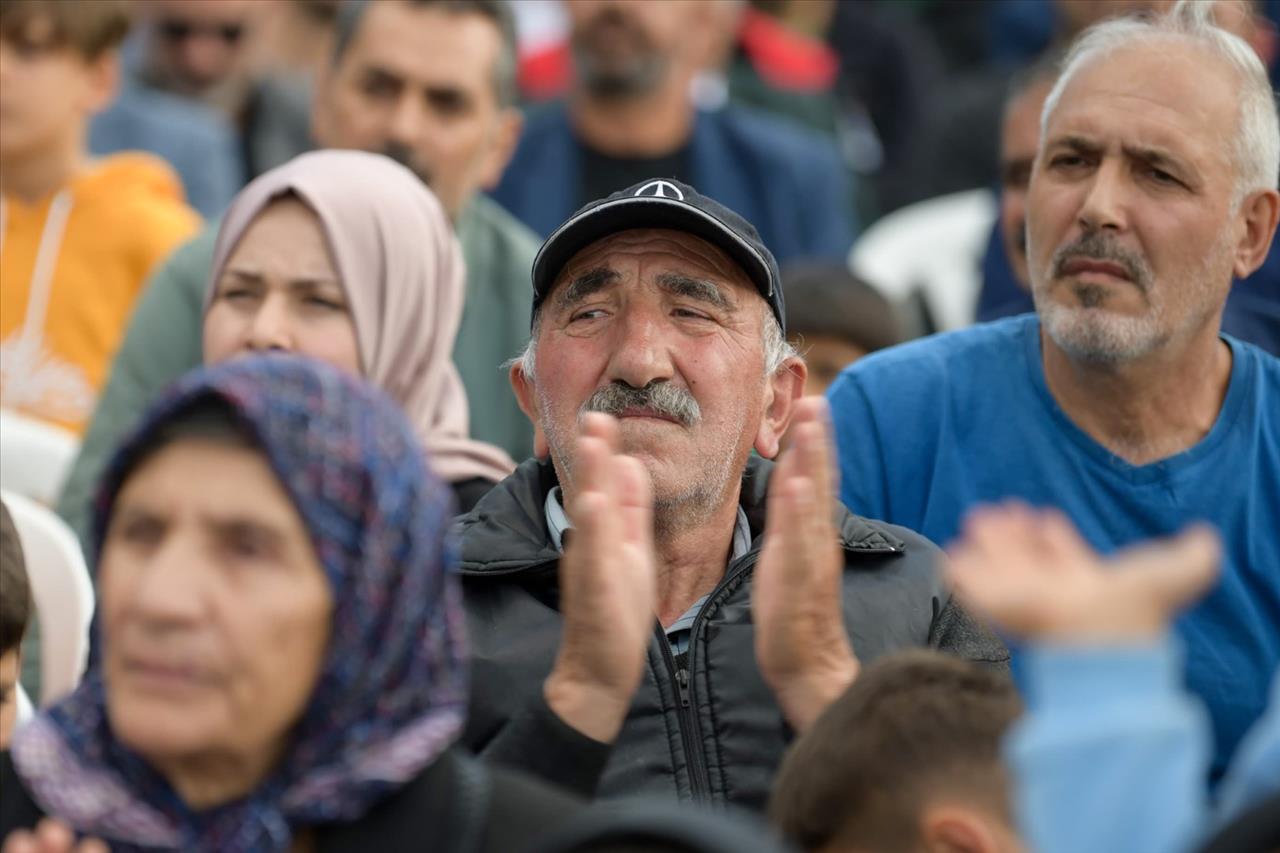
[[661, 398], [1095, 246]]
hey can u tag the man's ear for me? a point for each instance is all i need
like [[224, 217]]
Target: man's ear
[[104, 81], [785, 387], [321, 93], [1258, 212], [507, 130], [522, 385], [956, 829]]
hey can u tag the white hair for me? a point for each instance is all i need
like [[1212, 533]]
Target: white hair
[[777, 350], [1256, 150]]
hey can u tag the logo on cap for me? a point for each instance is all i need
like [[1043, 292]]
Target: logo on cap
[[660, 189]]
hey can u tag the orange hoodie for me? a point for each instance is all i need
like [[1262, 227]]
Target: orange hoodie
[[71, 267]]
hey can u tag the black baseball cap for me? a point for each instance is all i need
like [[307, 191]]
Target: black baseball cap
[[661, 203]]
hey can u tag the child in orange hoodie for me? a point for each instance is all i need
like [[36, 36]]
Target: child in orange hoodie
[[77, 237]]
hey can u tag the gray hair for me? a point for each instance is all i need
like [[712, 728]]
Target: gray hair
[[1256, 143], [777, 350]]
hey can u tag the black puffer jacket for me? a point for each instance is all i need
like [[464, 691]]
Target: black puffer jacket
[[712, 731]]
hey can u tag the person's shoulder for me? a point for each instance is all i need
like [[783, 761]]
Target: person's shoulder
[[498, 229], [185, 271], [958, 359], [135, 201], [1265, 365], [863, 537], [783, 136], [151, 113], [549, 119]]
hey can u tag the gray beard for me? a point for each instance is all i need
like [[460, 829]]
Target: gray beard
[[1092, 336], [640, 78]]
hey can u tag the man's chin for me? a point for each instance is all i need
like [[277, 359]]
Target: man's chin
[[1100, 335]]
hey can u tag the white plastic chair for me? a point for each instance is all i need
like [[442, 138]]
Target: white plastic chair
[[62, 592], [24, 710], [935, 248], [35, 456]]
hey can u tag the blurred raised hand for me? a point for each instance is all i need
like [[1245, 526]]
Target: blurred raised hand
[[1031, 574], [50, 836]]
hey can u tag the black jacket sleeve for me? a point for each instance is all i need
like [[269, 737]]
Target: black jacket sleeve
[[539, 743], [17, 809]]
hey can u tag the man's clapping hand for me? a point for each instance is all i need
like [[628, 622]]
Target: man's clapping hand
[[802, 646], [608, 585]]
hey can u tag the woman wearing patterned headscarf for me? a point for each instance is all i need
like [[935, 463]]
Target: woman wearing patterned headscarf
[[279, 647], [347, 257]]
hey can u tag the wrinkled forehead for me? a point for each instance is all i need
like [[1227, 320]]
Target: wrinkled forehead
[[656, 250], [1163, 91]]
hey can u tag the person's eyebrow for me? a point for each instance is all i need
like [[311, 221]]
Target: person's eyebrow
[[1079, 144], [585, 284], [381, 74], [694, 288], [1161, 158], [302, 281]]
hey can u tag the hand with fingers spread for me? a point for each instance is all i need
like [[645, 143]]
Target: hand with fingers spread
[[608, 586], [802, 646], [50, 836], [1032, 574]]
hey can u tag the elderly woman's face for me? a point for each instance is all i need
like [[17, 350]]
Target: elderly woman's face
[[280, 290], [215, 609]]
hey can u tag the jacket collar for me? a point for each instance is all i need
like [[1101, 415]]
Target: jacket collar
[[507, 532]]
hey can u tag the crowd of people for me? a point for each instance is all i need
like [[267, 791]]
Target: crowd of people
[[486, 441]]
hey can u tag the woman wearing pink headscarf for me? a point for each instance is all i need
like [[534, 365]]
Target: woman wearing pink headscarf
[[347, 257]]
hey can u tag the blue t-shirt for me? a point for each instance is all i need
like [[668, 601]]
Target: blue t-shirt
[[928, 430]]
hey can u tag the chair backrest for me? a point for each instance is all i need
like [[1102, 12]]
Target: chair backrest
[[24, 709], [933, 251], [61, 590], [35, 456]]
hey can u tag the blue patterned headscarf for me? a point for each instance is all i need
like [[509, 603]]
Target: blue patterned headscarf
[[391, 694]]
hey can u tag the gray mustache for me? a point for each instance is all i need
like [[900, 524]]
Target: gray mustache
[[1096, 247], [662, 398]]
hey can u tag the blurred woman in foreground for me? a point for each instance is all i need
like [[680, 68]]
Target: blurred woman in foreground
[[280, 654]]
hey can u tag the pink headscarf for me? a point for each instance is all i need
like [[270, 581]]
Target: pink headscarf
[[402, 270]]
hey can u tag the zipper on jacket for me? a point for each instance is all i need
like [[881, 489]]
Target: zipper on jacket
[[695, 760]]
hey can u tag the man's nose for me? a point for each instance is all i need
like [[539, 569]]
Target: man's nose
[[409, 121], [641, 354], [1104, 205]]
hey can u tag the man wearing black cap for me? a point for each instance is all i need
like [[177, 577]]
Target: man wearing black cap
[[657, 364]]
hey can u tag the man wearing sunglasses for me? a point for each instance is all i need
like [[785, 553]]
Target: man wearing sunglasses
[[197, 48]]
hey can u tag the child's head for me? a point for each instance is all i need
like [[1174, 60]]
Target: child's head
[[58, 66], [834, 318], [907, 759], [15, 610]]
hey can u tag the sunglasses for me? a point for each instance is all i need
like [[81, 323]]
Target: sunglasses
[[177, 30]]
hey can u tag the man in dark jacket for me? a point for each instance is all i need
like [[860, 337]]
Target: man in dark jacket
[[657, 363]]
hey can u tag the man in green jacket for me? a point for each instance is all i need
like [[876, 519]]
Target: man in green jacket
[[431, 84]]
